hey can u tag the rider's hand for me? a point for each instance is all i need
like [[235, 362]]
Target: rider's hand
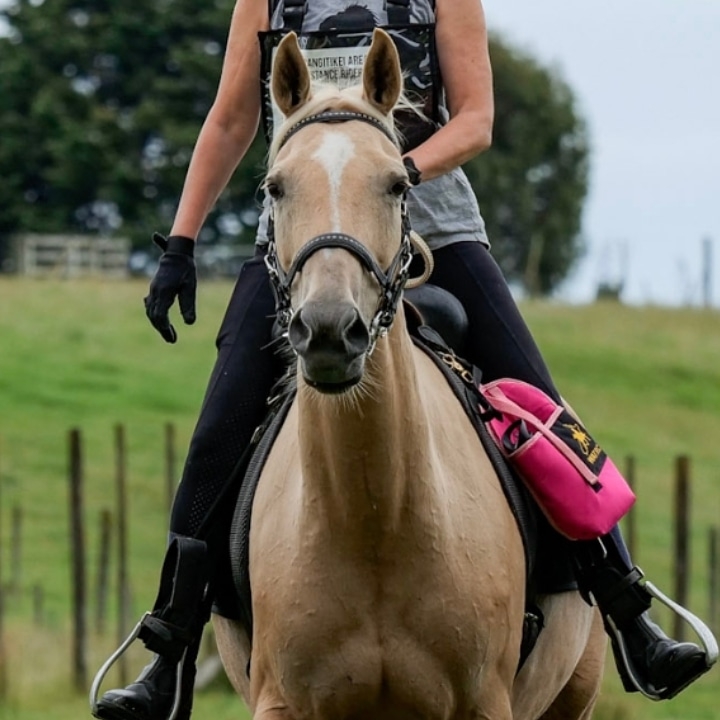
[[175, 277]]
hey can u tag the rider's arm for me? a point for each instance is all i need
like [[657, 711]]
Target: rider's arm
[[464, 58], [232, 122]]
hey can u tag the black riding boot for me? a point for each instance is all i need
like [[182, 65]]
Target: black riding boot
[[647, 659], [153, 695], [164, 689]]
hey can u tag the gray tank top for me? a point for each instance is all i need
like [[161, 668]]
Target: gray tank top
[[444, 210]]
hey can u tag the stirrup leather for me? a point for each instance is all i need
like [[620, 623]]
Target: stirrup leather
[[707, 639]]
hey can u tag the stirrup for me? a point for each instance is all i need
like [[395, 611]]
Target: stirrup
[[707, 639], [103, 671]]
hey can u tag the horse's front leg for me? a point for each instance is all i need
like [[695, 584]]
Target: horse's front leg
[[495, 703], [234, 648], [272, 711]]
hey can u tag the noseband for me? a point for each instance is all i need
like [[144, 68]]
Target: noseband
[[391, 282]]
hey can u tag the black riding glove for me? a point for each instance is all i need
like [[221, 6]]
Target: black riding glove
[[175, 277]]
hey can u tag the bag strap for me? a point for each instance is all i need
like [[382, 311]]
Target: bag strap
[[293, 13], [502, 403], [398, 12]]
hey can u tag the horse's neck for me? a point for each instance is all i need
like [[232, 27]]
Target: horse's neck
[[363, 453]]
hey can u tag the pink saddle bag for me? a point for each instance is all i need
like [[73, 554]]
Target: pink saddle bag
[[576, 485]]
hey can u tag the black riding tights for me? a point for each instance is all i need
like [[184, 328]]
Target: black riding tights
[[247, 366], [235, 400]]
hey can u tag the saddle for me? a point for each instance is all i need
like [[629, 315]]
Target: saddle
[[437, 322]]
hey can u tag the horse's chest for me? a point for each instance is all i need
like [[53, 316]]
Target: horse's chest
[[346, 638], [355, 664]]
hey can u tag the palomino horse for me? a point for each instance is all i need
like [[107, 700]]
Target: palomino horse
[[387, 568]]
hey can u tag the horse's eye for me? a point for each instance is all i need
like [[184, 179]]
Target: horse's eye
[[399, 188], [274, 190]]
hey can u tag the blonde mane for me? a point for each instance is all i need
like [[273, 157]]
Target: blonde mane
[[329, 97]]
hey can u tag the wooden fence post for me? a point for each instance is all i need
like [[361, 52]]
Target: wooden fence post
[[682, 540], [77, 541], [122, 589], [3, 663], [16, 523], [170, 479], [103, 570], [713, 572], [631, 537], [38, 605]]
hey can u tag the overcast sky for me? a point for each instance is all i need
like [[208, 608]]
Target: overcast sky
[[646, 76]]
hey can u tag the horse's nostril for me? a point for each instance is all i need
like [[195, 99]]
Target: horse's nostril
[[299, 333], [356, 335]]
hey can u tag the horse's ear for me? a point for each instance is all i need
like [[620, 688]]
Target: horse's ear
[[290, 76], [382, 74]]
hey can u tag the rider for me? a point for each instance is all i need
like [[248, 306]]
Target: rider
[[436, 39]]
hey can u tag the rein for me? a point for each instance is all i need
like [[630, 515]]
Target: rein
[[391, 281]]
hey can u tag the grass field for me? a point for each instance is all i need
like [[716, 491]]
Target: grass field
[[81, 354]]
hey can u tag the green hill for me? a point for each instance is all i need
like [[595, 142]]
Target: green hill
[[81, 354]]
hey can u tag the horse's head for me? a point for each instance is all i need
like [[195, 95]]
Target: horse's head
[[340, 248]]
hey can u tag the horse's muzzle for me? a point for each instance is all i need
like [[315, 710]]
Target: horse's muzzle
[[332, 342]]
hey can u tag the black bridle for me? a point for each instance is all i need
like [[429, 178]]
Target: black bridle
[[391, 282]]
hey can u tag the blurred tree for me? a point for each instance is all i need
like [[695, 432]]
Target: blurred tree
[[101, 102], [533, 181], [100, 105]]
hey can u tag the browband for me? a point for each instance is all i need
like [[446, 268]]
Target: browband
[[338, 116]]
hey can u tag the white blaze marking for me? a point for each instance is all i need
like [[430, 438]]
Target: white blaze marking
[[334, 153]]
